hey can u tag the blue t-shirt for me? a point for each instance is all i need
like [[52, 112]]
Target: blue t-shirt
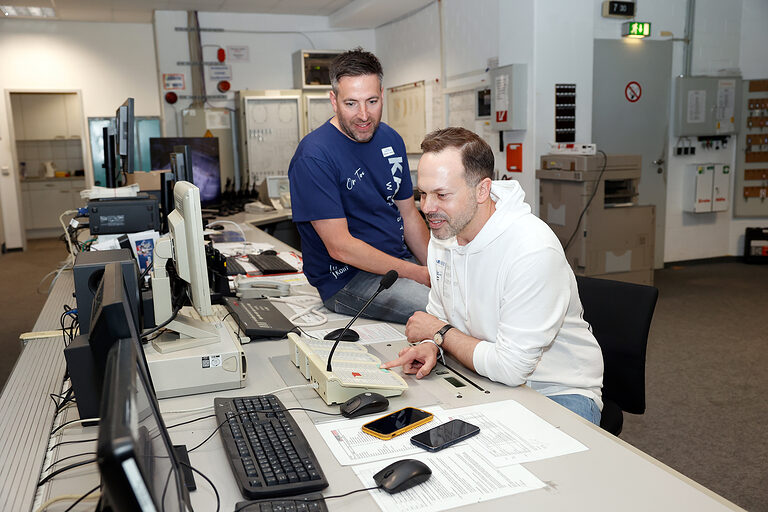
[[334, 177]]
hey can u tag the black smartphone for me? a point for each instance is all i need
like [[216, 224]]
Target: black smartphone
[[396, 423], [445, 435]]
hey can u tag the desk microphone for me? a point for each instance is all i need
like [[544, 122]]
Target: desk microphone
[[386, 281]]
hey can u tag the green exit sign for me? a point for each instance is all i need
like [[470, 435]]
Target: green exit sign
[[636, 29]]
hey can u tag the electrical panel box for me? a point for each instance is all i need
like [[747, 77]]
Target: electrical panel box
[[310, 68], [509, 97], [707, 188], [706, 105], [698, 188], [271, 126]]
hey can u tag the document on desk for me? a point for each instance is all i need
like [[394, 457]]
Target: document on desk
[[509, 434], [461, 476], [238, 248], [370, 333], [351, 445]]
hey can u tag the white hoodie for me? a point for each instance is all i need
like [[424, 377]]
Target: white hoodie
[[512, 288]]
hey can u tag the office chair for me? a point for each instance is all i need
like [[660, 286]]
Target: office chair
[[620, 315]]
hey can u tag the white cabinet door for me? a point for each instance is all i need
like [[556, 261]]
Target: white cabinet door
[[18, 116], [48, 200]]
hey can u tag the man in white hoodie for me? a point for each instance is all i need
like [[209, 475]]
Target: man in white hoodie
[[504, 300]]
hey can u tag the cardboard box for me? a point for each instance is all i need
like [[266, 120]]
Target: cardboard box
[[147, 180]]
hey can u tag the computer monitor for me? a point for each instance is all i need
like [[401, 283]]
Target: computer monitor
[[184, 244], [138, 466], [181, 164], [125, 136], [115, 314], [204, 158]]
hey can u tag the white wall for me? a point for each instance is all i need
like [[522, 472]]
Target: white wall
[[106, 62], [271, 40]]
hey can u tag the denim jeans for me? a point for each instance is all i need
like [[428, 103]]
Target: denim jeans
[[396, 304], [581, 405]]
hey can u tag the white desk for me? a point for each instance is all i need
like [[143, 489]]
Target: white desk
[[610, 475]]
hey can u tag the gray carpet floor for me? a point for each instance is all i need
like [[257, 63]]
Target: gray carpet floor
[[707, 367]]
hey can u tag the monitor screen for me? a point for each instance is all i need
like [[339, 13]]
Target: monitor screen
[[204, 153], [138, 466]]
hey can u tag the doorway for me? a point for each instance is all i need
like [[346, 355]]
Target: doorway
[[630, 114]]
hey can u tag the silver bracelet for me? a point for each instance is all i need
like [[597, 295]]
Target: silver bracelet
[[441, 357]]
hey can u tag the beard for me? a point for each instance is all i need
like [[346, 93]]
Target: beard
[[452, 226], [349, 129]]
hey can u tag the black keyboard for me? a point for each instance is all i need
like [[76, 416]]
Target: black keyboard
[[267, 451], [270, 264], [305, 503], [234, 267]]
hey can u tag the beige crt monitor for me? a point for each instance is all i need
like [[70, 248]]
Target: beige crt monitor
[[184, 244]]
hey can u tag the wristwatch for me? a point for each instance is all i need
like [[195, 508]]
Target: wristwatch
[[440, 335]]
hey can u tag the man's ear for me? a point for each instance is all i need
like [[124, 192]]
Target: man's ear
[[332, 96], [483, 190]]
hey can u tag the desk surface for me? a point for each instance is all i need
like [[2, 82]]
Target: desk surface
[[610, 475]]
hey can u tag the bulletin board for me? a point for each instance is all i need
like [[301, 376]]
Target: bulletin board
[[406, 113]]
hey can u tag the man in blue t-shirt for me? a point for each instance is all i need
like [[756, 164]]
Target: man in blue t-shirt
[[352, 201]]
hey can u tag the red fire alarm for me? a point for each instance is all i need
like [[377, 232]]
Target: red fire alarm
[[514, 158], [171, 97], [223, 86], [221, 54]]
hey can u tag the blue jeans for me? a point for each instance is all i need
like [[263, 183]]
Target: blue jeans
[[396, 304], [581, 405]]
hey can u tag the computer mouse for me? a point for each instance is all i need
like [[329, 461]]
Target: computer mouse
[[364, 403], [269, 252], [350, 335], [402, 475]]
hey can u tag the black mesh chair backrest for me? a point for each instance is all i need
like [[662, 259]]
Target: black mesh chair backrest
[[620, 315]]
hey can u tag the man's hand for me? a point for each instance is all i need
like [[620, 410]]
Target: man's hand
[[418, 359], [422, 326]]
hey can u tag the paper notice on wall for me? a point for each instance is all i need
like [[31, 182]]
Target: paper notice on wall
[[726, 100], [696, 112], [238, 54], [217, 120]]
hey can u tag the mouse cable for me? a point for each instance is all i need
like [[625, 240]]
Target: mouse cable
[[73, 423], [253, 504], [258, 410], [71, 442], [215, 491], [85, 497]]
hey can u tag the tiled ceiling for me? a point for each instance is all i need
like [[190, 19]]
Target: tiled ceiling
[[140, 11]]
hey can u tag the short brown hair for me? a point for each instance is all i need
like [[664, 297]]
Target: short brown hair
[[355, 62], [476, 154]]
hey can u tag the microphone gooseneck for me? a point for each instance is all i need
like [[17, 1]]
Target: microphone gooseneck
[[386, 281]]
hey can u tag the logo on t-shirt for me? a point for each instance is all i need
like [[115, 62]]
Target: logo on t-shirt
[[387, 151]]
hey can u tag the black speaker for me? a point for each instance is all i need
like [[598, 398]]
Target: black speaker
[[88, 269]]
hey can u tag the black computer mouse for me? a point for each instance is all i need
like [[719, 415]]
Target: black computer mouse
[[402, 475], [269, 252], [350, 335], [364, 403]]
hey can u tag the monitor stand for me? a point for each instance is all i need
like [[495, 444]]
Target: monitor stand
[[186, 332]]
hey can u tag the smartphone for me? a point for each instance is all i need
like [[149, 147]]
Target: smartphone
[[445, 435], [397, 422]]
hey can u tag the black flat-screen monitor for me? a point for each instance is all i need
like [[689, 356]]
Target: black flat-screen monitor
[[115, 314], [204, 154], [138, 466], [124, 138]]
